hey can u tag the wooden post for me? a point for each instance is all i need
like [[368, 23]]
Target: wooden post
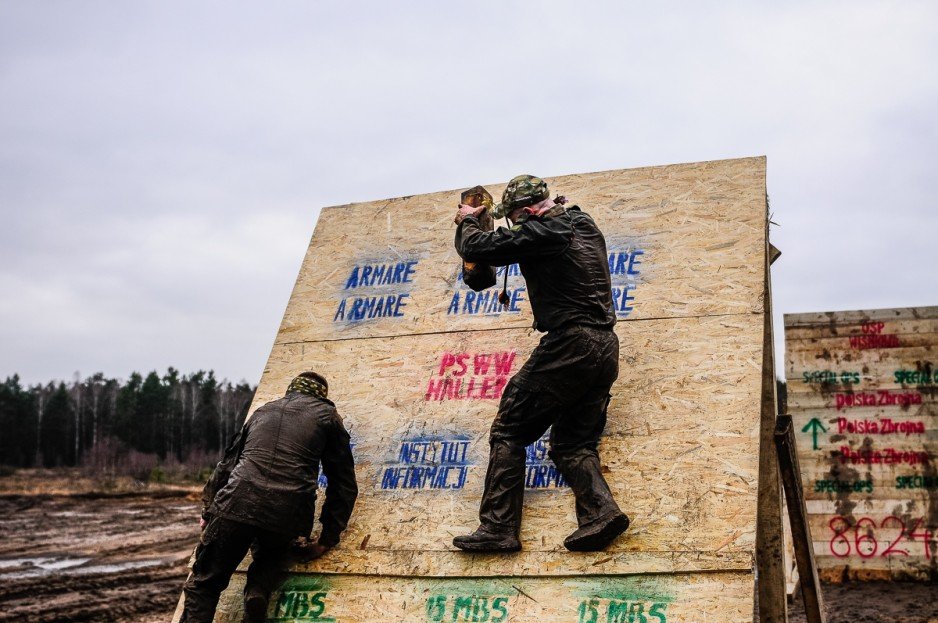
[[770, 549], [798, 517]]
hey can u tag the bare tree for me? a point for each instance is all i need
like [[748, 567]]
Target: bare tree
[[96, 389], [75, 396]]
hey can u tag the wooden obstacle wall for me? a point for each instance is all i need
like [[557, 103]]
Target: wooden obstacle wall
[[417, 363], [862, 395]]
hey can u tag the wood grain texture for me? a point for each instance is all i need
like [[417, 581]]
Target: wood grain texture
[[725, 596], [416, 367], [770, 546], [902, 326], [864, 400], [659, 448], [854, 317], [698, 227]]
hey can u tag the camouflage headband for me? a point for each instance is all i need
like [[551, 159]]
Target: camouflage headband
[[308, 386]]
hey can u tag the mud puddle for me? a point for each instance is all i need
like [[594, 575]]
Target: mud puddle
[[89, 558]]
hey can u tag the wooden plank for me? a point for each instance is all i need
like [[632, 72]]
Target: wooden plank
[[898, 404], [684, 241], [913, 364], [918, 504], [826, 486], [670, 429], [826, 431], [924, 413], [859, 316], [791, 567], [821, 397], [869, 449], [865, 538], [863, 484], [355, 599], [894, 568], [825, 481], [770, 556], [887, 327], [875, 545], [811, 367], [915, 452], [798, 516], [665, 365], [864, 348], [891, 375]]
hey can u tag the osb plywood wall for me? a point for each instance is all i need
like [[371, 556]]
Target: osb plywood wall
[[417, 363], [862, 395]]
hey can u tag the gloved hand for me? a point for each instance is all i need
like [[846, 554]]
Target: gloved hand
[[307, 550], [465, 211]]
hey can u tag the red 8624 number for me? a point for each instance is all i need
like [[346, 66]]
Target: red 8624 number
[[860, 539]]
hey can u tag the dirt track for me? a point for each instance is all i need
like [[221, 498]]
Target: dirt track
[[123, 559], [875, 602], [93, 558]]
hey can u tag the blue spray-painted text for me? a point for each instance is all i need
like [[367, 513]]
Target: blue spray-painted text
[[423, 463], [624, 271], [376, 290], [540, 471]]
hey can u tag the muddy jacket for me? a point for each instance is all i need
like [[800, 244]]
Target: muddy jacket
[[562, 256], [269, 474]]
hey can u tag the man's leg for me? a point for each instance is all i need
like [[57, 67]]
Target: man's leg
[[574, 450], [522, 418], [222, 546], [269, 553]]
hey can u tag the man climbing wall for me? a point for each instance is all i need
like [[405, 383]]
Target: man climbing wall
[[565, 383]]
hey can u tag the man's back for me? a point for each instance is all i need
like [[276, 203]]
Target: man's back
[[273, 483], [574, 286], [262, 495], [562, 255]]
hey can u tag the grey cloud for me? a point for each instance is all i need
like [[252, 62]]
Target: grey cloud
[[162, 164]]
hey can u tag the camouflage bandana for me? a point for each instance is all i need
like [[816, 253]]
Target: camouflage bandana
[[308, 386], [522, 191]]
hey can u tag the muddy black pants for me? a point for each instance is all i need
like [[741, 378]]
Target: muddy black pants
[[564, 385], [221, 549]]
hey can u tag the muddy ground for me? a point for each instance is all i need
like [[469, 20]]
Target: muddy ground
[[92, 557], [875, 602], [122, 558]]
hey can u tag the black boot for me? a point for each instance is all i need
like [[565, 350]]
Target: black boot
[[500, 509], [598, 516], [598, 535], [255, 605], [484, 541]]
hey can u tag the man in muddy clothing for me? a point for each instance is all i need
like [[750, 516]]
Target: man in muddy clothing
[[565, 383], [262, 496]]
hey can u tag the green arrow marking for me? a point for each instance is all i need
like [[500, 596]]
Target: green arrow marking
[[813, 427]]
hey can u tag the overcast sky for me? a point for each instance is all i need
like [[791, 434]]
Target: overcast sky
[[162, 163]]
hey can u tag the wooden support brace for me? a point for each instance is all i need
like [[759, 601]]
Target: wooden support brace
[[770, 555], [798, 516]]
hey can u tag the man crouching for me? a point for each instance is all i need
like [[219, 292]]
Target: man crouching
[[262, 496]]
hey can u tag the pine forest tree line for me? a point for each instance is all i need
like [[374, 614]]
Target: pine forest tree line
[[109, 425]]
